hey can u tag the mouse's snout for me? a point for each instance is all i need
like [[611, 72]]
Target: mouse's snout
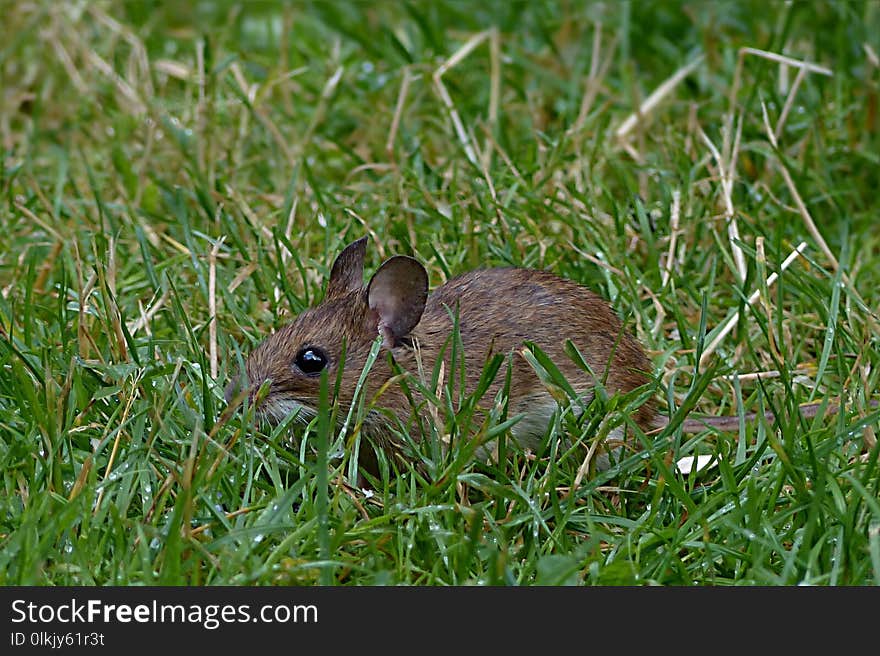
[[248, 380], [230, 391], [238, 384]]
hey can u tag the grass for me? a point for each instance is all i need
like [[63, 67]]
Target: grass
[[166, 164]]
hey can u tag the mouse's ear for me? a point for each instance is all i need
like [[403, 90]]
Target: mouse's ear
[[347, 274], [397, 293]]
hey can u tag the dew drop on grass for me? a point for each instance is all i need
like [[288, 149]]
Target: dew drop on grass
[[258, 538], [155, 543]]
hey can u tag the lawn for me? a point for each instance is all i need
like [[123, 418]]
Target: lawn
[[177, 179]]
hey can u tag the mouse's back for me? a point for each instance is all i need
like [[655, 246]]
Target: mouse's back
[[498, 310]]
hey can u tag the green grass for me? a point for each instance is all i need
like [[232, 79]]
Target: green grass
[[139, 137]]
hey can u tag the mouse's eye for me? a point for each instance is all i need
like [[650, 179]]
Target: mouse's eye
[[311, 360]]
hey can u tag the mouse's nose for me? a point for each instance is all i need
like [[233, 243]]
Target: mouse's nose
[[234, 387], [229, 392]]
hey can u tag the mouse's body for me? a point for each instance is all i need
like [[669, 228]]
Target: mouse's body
[[498, 310], [542, 308]]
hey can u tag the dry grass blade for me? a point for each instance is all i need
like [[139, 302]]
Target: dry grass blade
[[466, 49], [321, 110], [801, 369], [504, 156], [650, 103], [772, 56], [132, 98], [871, 55], [782, 59], [725, 173], [212, 305], [115, 450], [398, 111], [68, 64], [789, 101], [144, 320], [674, 214], [729, 325], [462, 134], [666, 273], [250, 91], [494, 75], [288, 231], [798, 201], [175, 69], [594, 78]]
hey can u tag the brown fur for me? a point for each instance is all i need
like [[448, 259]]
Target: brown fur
[[498, 310]]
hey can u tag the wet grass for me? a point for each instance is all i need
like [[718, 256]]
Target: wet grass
[[177, 181]]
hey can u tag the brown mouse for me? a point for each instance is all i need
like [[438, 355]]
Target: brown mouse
[[498, 310]]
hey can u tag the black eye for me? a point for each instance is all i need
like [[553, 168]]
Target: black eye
[[310, 360]]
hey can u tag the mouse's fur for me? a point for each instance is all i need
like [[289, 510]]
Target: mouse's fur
[[498, 310]]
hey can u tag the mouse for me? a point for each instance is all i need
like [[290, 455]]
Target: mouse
[[498, 311]]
